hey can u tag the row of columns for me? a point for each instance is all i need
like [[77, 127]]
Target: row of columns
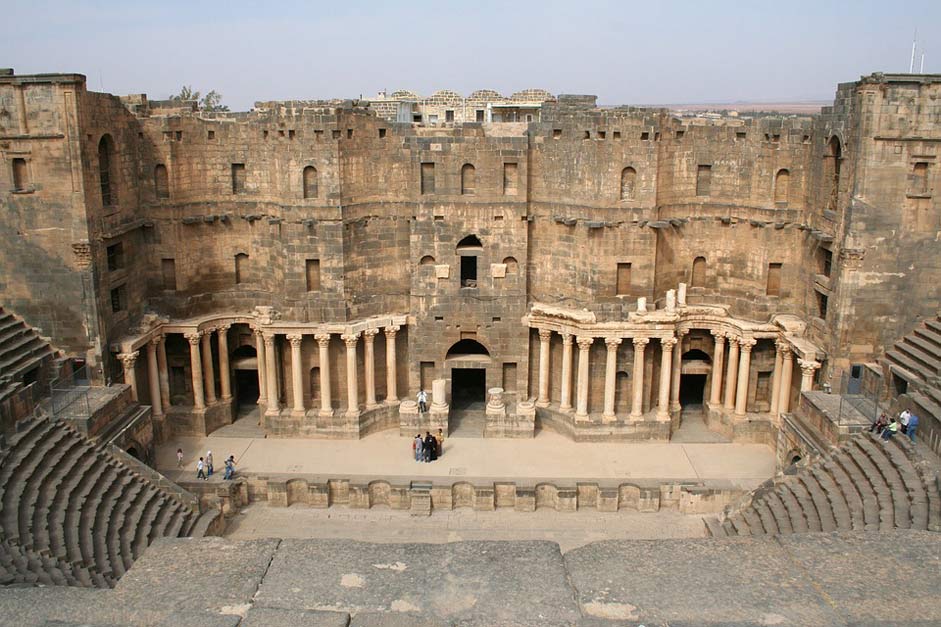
[[582, 384], [268, 382]]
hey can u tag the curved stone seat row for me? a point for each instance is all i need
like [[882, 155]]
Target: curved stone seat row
[[20, 345], [72, 514], [863, 485]]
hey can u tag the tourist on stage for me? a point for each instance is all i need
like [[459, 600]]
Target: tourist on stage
[[417, 447], [179, 458], [422, 402], [229, 467], [428, 450], [440, 439], [208, 463], [201, 469]]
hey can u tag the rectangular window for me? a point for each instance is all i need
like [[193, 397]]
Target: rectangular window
[[428, 178], [920, 178], [822, 305], [469, 271], [20, 175], [312, 267], [480, 115], [382, 133], [509, 377], [624, 279], [238, 178], [557, 133], [449, 116], [119, 299], [211, 135], [824, 261], [433, 118], [703, 180], [426, 372], [115, 257], [509, 179], [774, 280], [168, 272]]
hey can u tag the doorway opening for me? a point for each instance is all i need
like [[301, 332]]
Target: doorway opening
[[246, 387], [692, 389], [468, 388]]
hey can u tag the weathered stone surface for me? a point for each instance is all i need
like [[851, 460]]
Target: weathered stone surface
[[464, 581], [272, 617]]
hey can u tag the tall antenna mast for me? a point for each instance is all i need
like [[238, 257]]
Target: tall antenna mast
[[922, 70], [911, 64]]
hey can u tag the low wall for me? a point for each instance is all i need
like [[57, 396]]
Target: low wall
[[594, 430]]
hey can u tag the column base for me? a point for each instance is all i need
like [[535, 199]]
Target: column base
[[391, 401], [609, 418], [566, 410], [582, 418], [663, 417], [352, 413], [274, 410], [544, 403], [298, 413], [372, 405], [325, 413]]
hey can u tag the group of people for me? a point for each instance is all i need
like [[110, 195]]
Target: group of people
[[204, 467], [907, 423], [429, 448]]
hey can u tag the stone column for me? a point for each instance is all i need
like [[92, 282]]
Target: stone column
[[128, 361], [544, 336], [208, 374], [323, 343], [392, 394], [731, 374], [297, 374], [744, 369], [164, 373], [677, 371], [776, 377], [225, 375], [565, 401], [666, 362], [610, 376], [153, 378], [807, 366], [637, 397], [369, 336], [787, 369], [352, 384], [718, 352], [197, 370], [271, 373], [581, 411], [262, 367]]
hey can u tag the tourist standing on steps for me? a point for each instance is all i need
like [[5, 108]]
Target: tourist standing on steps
[[417, 447], [201, 469], [912, 426], [179, 458], [440, 442], [422, 402], [208, 463], [904, 418]]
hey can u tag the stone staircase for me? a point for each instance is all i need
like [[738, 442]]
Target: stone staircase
[[862, 485], [21, 349], [916, 359], [72, 514]]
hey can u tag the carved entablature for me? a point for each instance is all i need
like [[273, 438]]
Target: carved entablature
[[852, 258], [583, 316], [265, 315]]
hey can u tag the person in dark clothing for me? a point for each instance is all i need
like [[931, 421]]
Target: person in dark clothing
[[879, 424], [430, 447]]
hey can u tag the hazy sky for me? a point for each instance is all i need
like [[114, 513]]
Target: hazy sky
[[625, 52]]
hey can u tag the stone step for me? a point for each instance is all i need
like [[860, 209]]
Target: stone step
[[909, 365], [202, 524], [87, 510], [838, 505], [145, 524], [849, 493], [131, 521], [104, 512], [820, 502], [912, 348], [66, 508], [59, 484], [867, 495], [925, 344], [176, 523], [755, 526], [20, 479], [115, 528], [933, 325], [917, 499], [713, 527], [739, 524], [797, 488], [876, 453], [794, 510], [37, 497], [164, 515], [929, 336], [879, 485], [782, 519], [20, 448]]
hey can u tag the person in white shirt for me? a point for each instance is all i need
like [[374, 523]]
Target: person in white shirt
[[201, 469], [904, 417], [422, 401]]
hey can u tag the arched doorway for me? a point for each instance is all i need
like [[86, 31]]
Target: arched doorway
[[244, 362], [695, 368], [468, 361]]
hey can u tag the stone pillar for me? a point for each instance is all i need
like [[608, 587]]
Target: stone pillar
[[438, 396], [731, 374], [776, 377], [153, 378], [164, 373], [637, 398], [666, 374], [225, 376], [718, 352], [544, 336], [297, 374], [197, 370], [787, 369], [128, 361], [323, 343], [681, 295], [271, 374], [392, 394], [369, 336], [262, 367], [610, 376], [581, 411], [677, 371], [744, 370], [565, 401], [807, 366], [208, 370], [352, 384]]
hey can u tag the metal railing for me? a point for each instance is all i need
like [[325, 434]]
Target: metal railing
[[856, 400], [68, 395]]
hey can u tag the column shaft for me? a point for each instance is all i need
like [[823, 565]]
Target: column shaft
[[262, 367], [581, 411], [225, 376], [677, 368], [153, 378], [637, 382], [544, 337], [787, 369], [392, 395], [731, 374], [610, 378], [164, 373], [326, 403], [718, 352], [271, 373], [197, 370], [297, 374], [208, 374], [744, 371], [808, 367], [369, 336], [352, 384], [776, 378], [565, 401], [666, 364]]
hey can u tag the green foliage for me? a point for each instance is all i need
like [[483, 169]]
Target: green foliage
[[212, 101]]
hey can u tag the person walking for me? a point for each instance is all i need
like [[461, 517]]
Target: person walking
[[229, 468], [422, 402], [417, 448], [912, 426], [208, 463], [440, 439], [201, 469], [179, 458]]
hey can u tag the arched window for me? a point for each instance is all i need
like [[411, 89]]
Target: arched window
[[832, 171], [782, 181], [161, 182], [468, 249], [467, 347], [468, 179], [699, 272], [20, 175], [106, 171], [512, 266], [241, 268], [628, 182], [427, 260], [311, 182]]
